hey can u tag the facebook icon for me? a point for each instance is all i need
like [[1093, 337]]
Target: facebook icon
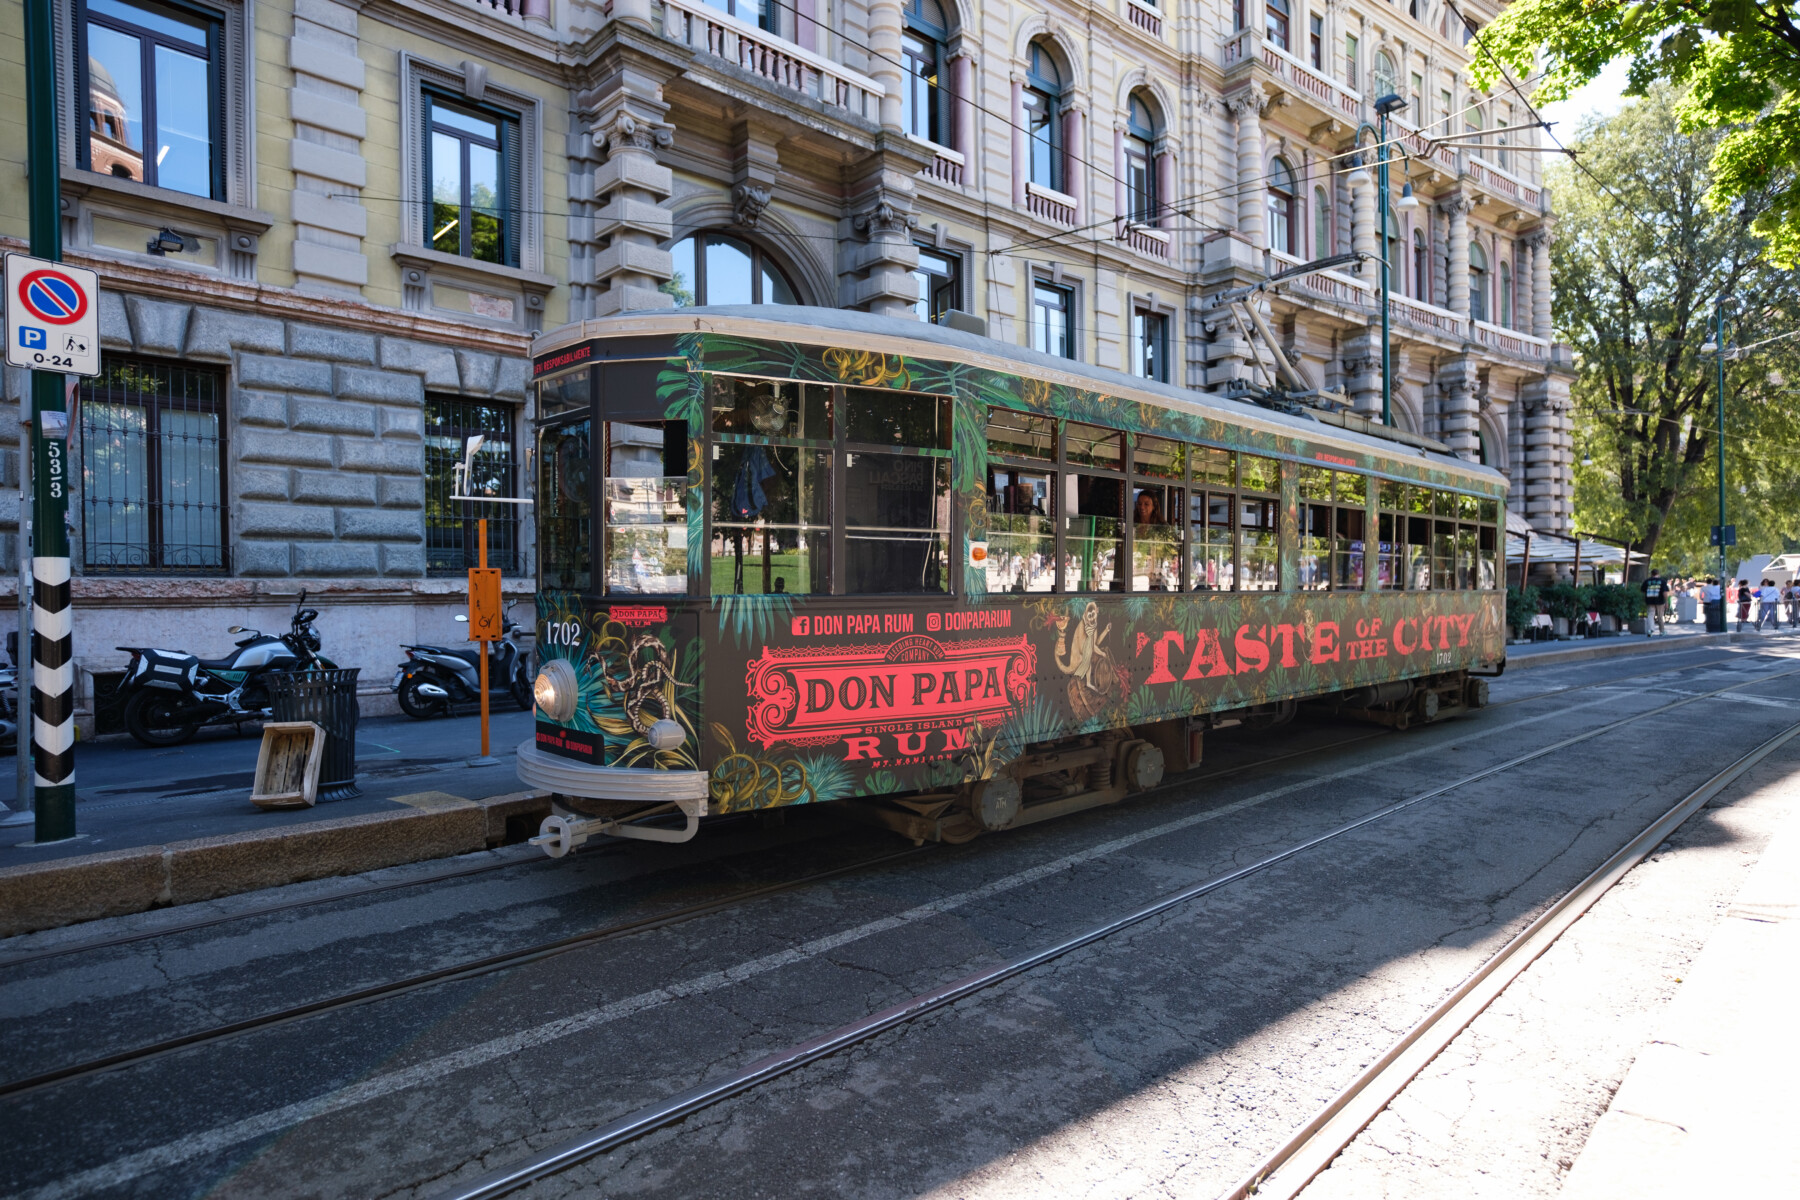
[[32, 339]]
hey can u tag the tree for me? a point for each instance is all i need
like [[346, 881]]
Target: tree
[[1638, 269], [1739, 65]]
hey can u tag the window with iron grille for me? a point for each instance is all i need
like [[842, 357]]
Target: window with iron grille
[[451, 545], [152, 444]]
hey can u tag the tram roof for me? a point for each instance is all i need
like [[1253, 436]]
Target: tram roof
[[808, 324]]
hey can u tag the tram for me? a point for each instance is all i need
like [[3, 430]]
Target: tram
[[792, 555]]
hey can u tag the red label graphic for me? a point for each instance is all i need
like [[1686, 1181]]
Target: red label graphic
[[639, 614], [563, 360], [813, 695]]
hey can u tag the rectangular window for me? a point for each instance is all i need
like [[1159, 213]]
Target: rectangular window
[[564, 393], [919, 105], [1210, 526], [1021, 530], [876, 417], [1443, 112], [770, 486], [1021, 435], [1156, 510], [1418, 98], [1259, 545], [152, 104], [643, 498], [472, 163], [939, 276], [1275, 22], [1093, 446], [152, 469], [897, 523], [451, 530], [1315, 45], [1159, 458], [1052, 320], [1350, 59], [1150, 345], [565, 506], [1093, 533]]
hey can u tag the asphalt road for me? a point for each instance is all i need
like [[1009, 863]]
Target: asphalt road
[[1164, 1060]]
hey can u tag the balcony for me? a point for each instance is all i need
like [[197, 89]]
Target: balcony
[[1145, 17], [1144, 240], [1506, 186], [776, 60], [947, 167], [1324, 92], [1426, 317], [1050, 205], [1416, 144], [1511, 341]]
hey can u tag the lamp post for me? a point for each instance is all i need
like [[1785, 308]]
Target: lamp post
[[1384, 107], [1717, 346]]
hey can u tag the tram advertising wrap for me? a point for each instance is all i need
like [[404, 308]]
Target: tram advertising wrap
[[1059, 562]]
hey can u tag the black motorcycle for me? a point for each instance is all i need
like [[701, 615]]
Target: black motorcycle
[[172, 695], [433, 679]]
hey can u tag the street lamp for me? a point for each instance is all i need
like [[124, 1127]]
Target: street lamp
[[1384, 107], [1717, 346]]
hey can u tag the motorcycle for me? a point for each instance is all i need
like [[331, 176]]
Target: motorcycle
[[434, 678], [174, 694]]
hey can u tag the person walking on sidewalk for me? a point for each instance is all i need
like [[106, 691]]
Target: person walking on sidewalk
[[1768, 605], [1743, 604], [1792, 594], [1656, 598]]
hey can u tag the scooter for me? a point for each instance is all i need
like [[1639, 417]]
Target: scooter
[[172, 694], [435, 678]]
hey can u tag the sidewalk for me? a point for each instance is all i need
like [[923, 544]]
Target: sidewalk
[[1710, 1105], [1674, 638]]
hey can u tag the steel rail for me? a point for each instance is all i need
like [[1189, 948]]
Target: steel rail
[[611, 848], [686, 1103], [1293, 1165]]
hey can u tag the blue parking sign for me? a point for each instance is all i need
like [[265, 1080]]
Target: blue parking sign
[[31, 339]]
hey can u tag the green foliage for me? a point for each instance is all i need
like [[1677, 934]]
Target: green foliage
[[1636, 277], [1739, 66], [1621, 600], [1565, 601], [1521, 606]]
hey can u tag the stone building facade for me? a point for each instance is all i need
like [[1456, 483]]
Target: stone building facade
[[382, 200]]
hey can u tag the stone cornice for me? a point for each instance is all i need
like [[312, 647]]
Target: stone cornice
[[263, 300], [482, 36]]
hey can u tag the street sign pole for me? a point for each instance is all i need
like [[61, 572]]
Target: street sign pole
[[52, 666]]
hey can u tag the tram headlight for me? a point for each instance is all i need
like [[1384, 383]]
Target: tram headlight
[[554, 690], [665, 734]]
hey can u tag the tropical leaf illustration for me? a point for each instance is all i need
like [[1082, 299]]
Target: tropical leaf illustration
[[753, 619]]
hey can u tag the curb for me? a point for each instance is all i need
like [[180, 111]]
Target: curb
[[117, 882], [1625, 644]]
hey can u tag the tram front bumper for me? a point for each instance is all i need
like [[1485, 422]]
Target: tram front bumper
[[684, 790]]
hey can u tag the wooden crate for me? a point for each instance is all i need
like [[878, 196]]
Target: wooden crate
[[287, 766]]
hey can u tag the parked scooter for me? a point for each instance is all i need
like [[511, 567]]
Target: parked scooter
[[433, 679], [173, 694]]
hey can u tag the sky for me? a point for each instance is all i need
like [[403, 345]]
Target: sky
[[1601, 98]]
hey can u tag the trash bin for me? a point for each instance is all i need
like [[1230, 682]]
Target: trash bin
[[328, 700], [1715, 616]]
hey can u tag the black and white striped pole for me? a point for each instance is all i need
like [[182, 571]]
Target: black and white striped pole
[[52, 664]]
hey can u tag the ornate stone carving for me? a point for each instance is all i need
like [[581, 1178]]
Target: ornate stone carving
[[747, 203], [886, 218], [629, 132]]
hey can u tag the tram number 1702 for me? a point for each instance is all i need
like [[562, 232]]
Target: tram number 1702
[[562, 633]]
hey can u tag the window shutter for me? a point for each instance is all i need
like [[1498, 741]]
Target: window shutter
[[512, 170]]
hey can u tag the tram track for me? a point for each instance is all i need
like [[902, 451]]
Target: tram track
[[694, 1100], [505, 960], [616, 848]]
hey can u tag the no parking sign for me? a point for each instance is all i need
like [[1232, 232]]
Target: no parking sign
[[52, 316]]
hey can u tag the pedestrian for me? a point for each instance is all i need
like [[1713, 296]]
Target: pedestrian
[[1743, 604], [1655, 599], [1768, 605], [1793, 603]]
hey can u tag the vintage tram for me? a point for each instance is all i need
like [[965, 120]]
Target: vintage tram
[[789, 555]]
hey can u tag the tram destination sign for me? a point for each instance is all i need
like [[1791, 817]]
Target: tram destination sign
[[52, 316]]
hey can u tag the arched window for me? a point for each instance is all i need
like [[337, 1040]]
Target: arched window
[[1141, 200], [1281, 207], [1043, 124], [1322, 243], [1275, 22], [923, 111], [716, 268], [1421, 267], [1506, 298], [1386, 81], [1478, 278]]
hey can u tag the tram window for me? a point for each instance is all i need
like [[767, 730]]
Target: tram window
[[1156, 538], [1391, 561], [1352, 489], [562, 393], [1257, 474], [771, 519], [1021, 435], [1215, 468], [1418, 554], [1447, 505], [1490, 512], [1259, 546], [1159, 458], [1021, 532], [1093, 533], [644, 499], [1316, 543], [884, 418], [1443, 555], [566, 506], [1214, 557], [769, 408], [1348, 548], [1468, 507], [1489, 566], [1091, 446], [1466, 566], [896, 523], [1419, 500], [1393, 495], [1315, 483]]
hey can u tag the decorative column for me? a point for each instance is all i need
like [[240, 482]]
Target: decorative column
[[1362, 224], [1246, 106], [1120, 200], [1457, 408], [1074, 161], [1440, 257], [1165, 189], [884, 57], [962, 115], [629, 188], [877, 250], [1021, 165], [1457, 209], [1539, 241]]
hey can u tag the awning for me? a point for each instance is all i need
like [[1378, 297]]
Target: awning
[[1556, 550]]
